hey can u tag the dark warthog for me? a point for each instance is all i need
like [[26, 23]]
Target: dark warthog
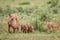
[[24, 28], [27, 28]]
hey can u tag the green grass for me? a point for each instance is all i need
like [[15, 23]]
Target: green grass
[[30, 36]]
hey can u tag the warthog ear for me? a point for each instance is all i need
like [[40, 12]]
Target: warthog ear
[[9, 14]]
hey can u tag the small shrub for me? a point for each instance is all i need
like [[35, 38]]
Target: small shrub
[[39, 26], [35, 25], [43, 18], [55, 11], [49, 2], [24, 3], [20, 9]]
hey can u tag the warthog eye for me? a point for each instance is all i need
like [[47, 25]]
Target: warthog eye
[[11, 19]]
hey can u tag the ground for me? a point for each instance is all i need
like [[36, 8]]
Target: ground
[[30, 36]]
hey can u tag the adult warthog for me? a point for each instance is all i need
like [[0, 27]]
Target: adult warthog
[[13, 22]]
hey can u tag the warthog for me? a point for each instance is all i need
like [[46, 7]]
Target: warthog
[[13, 22], [27, 28]]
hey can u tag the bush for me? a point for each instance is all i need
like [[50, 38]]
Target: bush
[[39, 26], [24, 3]]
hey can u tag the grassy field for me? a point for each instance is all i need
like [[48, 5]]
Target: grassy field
[[30, 36], [4, 35], [36, 12]]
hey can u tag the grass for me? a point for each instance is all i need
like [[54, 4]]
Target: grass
[[30, 36], [4, 35]]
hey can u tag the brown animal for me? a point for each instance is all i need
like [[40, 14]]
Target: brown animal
[[51, 25], [27, 28], [24, 28], [13, 22], [30, 28]]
